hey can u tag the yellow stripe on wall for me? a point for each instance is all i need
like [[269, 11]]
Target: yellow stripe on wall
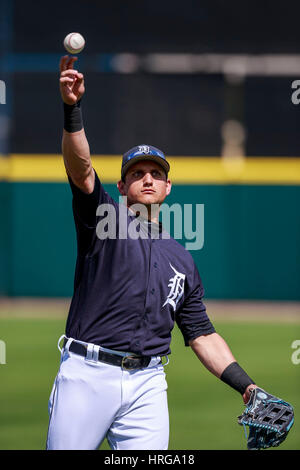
[[184, 170]]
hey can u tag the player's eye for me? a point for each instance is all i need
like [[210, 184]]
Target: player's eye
[[156, 174]]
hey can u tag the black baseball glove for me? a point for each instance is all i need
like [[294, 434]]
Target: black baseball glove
[[269, 419]]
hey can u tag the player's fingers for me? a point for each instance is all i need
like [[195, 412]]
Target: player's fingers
[[69, 73], [79, 78], [79, 85], [63, 63], [66, 80], [71, 61]]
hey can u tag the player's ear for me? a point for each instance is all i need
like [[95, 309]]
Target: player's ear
[[169, 187], [122, 188]]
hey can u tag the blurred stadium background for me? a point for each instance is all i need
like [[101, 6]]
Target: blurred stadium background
[[209, 83]]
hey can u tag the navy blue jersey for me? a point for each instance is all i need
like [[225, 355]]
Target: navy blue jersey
[[128, 293]]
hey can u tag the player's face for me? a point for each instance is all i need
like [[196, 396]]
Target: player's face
[[145, 183]]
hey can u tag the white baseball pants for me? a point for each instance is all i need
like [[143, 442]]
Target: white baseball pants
[[93, 400]]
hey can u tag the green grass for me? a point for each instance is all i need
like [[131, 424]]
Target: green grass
[[203, 410]]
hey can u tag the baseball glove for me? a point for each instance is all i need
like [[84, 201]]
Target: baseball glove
[[269, 419]]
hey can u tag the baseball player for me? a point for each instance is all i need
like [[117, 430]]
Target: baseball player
[[128, 293]]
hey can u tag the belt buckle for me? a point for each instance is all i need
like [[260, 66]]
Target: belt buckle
[[130, 356]]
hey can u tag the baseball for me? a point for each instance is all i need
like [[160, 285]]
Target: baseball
[[74, 43]]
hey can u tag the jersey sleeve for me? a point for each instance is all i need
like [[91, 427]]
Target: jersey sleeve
[[84, 211], [192, 318]]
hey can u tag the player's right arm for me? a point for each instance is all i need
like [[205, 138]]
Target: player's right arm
[[75, 147]]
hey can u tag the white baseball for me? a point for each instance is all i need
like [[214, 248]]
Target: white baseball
[[74, 43]]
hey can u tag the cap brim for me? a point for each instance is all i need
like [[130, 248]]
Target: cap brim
[[160, 161]]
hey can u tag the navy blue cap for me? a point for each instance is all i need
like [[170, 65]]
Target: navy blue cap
[[143, 152]]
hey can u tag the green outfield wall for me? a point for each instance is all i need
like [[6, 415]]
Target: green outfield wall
[[251, 238]]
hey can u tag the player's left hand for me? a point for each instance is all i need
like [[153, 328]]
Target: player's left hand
[[247, 393], [269, 419]]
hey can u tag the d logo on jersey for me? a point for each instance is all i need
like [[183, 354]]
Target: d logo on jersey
[[176, 285]]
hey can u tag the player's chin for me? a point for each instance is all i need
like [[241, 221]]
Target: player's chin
[[148, 198]]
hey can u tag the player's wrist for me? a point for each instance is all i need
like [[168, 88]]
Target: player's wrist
[[73, 121], [234, 376]]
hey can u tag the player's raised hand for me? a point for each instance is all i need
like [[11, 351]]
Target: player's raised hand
[[71, 82]]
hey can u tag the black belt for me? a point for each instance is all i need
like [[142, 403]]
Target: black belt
[[130, 362]]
